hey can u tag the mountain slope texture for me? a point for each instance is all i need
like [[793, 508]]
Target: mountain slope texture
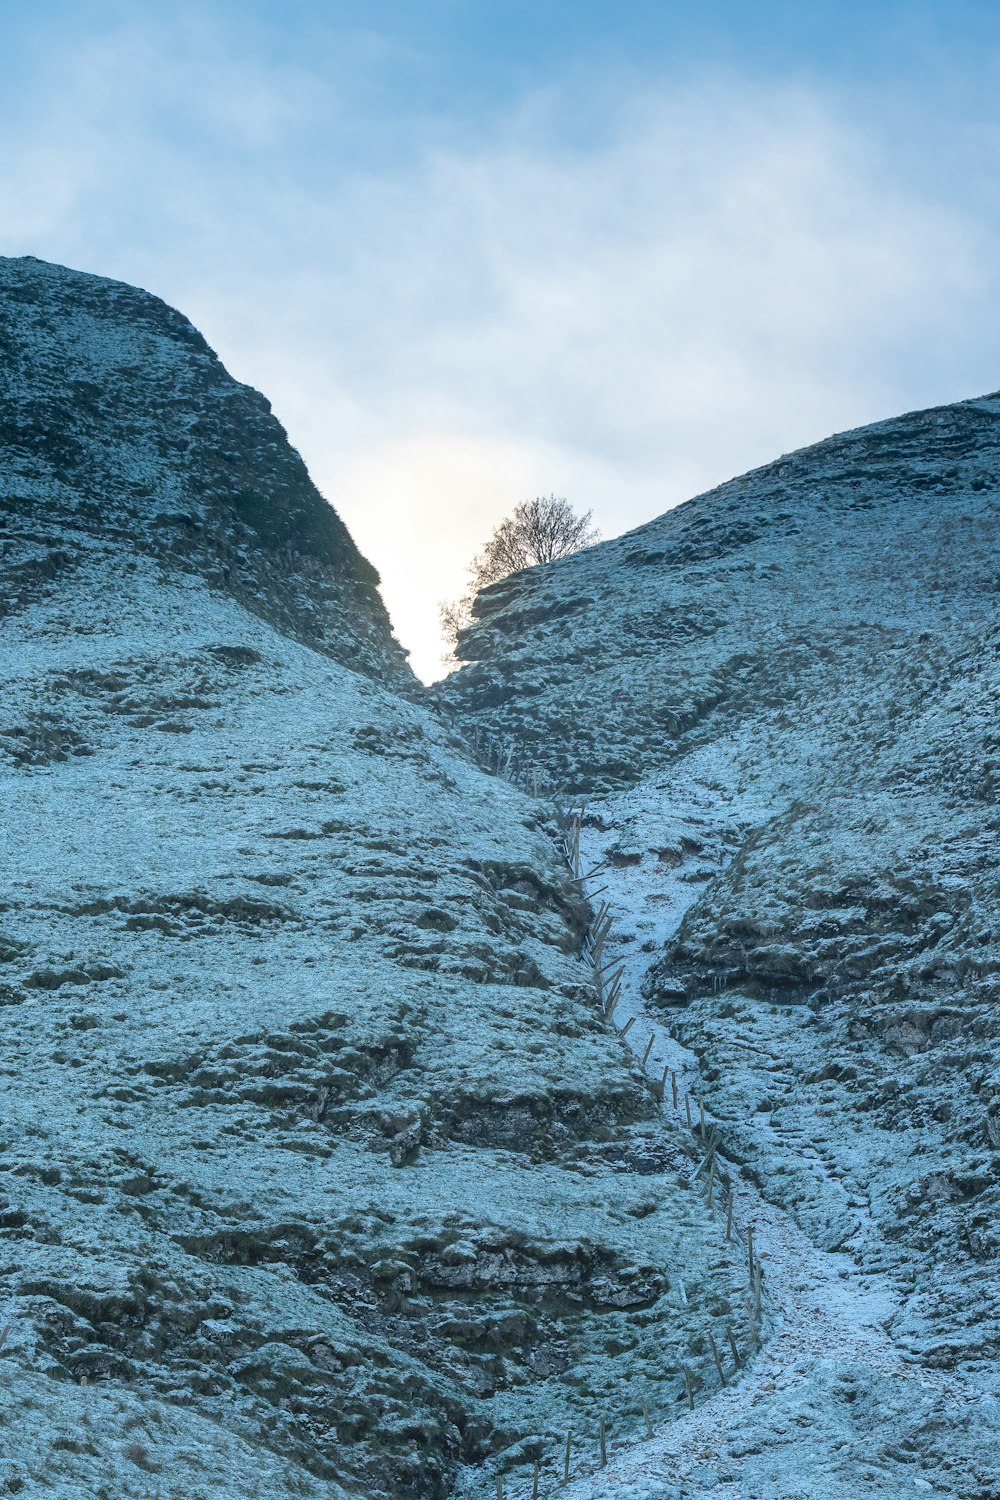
[[781, 703], [324, 1170], [320, 1172]]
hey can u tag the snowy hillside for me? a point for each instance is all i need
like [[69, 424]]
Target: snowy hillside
[[322, 1171], [331, 1164], [780, 703]]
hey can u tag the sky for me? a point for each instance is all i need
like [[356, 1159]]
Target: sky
[[476, 252]]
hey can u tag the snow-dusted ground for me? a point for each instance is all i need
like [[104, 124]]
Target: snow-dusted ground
[[829, 1406], [799, 674], [320, 1172], [332, 1147]]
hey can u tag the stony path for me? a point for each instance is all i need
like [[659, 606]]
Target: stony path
[[829, 1406]]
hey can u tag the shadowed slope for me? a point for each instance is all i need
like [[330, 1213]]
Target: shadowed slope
[[320, 1171], [781, 702], [119, 426]]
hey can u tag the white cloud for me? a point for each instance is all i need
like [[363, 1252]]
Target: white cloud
[[729, 278], [734, 270]]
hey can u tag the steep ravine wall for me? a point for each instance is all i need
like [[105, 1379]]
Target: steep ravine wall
[[787, 693], [321, 1172]]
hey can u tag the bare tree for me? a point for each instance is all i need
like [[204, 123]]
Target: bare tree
[[538, 531]]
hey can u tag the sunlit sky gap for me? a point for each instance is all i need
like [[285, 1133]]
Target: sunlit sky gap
[[477, 252]]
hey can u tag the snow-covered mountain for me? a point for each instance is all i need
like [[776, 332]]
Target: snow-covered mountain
[[324, 1169], [321, 1172], [781, 702]]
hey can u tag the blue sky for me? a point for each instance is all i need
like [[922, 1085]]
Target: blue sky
[[474, 252]]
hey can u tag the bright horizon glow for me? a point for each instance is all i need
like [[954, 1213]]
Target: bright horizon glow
[[485, 252]]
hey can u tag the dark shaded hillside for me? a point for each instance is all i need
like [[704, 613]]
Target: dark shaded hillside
[[870, 558], [321, 1172], [781, 703], [118, 425]]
